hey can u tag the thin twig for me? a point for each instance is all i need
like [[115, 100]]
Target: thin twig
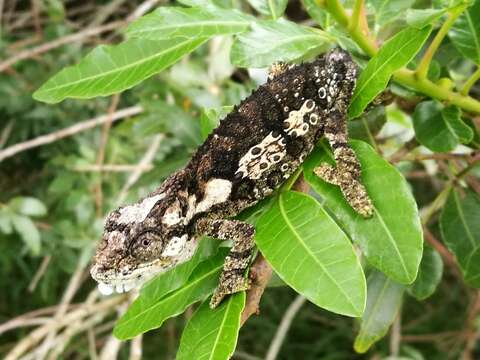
[[111, 168], [7, 130], [395, 335], [105, 11], [35, 336], [69, 131], [112, 345], [446, 255], [101, 152], [282, 330], [35, 9], [471, 332], [24, 319], [92, 350], [38, 275], [136, 348], [62, 341], [431, 337], [135, 175], [72, 287], [77, 37]]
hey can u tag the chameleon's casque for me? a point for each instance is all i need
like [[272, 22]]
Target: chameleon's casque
[[251, 153]]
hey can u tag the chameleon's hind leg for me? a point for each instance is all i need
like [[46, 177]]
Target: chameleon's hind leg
[[346, 173], [232, 278]]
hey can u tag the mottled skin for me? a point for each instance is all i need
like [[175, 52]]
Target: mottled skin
[[250, 154]]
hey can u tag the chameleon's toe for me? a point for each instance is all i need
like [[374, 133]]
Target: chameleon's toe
[[228, 286]]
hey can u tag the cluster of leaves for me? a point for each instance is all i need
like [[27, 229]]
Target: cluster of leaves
[[310, 240]]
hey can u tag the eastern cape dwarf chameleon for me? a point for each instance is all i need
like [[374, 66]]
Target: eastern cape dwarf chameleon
[[254, 149]]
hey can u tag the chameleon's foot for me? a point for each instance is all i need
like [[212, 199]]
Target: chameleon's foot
[[356, 195], [327, 173], [229, 284], [353, 190]]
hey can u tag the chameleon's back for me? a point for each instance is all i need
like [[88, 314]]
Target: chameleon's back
[[264, 139]]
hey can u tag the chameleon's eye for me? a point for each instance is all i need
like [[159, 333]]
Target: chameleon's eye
[[148, 246]]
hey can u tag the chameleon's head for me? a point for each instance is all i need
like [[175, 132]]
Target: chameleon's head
[[334, 75], [140, 241]]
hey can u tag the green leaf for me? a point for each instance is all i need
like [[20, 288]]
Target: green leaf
[[111, 69], [388, 10], [27, 206], [465, 33], [5, 221], [147, 313], [316, 12], [440, 128], [392, 239], [272, 41], [172, 279], [212, 334], [383, 301], [273, 8], [28, 232], [472, 271], [419, 18], [395, 53], [429, 275], [312, 254], [170, 22], [208, 3], [460, 230]]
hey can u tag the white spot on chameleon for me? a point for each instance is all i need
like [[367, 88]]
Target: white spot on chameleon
[[216, 192], [175, 246], [295, 123], [138, 212], [173, 215], [261, 157]]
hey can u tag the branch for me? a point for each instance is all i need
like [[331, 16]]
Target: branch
[[470, 82], [77, 37], [403, 76], [453, 14], [35, 336], [140, 168], [282, 330], [261, 271], [74, 129]]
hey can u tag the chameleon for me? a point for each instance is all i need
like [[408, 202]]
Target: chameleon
[[252, 151]]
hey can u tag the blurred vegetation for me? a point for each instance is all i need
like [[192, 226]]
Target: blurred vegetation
[[54, 195]]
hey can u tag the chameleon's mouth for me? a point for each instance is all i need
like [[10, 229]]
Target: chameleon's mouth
[[120, 282]]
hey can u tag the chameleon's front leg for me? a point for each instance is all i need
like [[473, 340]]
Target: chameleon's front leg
[[346, 173], [233, 277]]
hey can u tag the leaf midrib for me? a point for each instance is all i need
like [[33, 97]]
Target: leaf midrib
[[192, 24], [225, 315], [290, 225], [461, 215], [378, 302], [295, 38], [123, 68]]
